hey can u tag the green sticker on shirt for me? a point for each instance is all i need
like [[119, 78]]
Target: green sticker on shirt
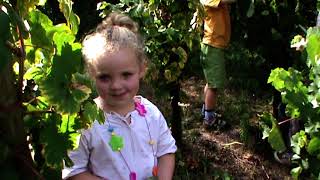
[[116, 142]]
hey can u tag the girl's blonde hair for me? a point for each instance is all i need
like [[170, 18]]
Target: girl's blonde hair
[[116, 32]]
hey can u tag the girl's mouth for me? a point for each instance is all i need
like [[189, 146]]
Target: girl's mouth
[[118, 94]]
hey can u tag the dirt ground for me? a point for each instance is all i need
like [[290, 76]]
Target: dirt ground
[[205, 152]]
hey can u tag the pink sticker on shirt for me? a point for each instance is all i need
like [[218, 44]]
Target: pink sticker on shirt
[[133, 176], [140, 108]]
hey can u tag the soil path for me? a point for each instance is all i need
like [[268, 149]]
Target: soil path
[[206, 151]]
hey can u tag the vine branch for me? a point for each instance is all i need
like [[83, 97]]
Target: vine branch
[[26, 162], [21, 66], [15, 50]]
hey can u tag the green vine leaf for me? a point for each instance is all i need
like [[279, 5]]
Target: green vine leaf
[[67, 123], [72, 19], [50, 138], [275, 138], [298, 141], [314, 146], [62, 38], [275, 79], [58, 87], [35, 72], [91, 113], [295, 172], [271, 131], [313, 48], [26, 6], [265, 123], [39, 26]]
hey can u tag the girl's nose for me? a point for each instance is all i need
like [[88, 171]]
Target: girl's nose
[[115, 84]]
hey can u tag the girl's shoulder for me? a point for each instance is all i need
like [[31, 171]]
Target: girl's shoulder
[[144, 101], [149, 106]]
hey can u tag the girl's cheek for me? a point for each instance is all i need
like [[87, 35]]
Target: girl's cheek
[[133, 82], [102, 85]]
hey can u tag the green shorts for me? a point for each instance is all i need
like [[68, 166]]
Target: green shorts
[[213, 64]]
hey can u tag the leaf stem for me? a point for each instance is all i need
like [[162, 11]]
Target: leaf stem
[[67, 131], [29, 45], [30, 101], [286, 120], [39, 112]]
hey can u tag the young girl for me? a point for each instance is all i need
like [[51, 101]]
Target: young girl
[[134, 142]]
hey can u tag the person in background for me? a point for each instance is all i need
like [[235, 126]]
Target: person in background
[[134, 142], [217, 31]]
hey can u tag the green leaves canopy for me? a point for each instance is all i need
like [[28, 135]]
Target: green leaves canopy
[[5, 55]]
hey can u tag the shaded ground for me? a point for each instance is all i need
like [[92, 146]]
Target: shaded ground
[[212, 154]]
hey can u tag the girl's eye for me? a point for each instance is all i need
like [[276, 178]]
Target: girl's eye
[[127, 74], [103, 77]]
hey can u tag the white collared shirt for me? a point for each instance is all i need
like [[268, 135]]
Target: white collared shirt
[[95, 155]]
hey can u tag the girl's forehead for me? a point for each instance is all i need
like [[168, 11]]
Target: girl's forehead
[[119, 54], [123, 58]]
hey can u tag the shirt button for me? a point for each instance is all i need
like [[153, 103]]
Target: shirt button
[[152, 142]]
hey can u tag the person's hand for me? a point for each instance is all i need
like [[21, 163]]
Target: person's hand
[[85, 176]]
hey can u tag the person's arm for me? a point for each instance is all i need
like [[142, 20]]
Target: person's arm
[[166, 166], [85, 176], [216, 3], [80, 158], [227, 1]]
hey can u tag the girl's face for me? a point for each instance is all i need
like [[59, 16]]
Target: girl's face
[[117, 79]]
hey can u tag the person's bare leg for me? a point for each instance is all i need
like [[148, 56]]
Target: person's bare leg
[[210, 98], [205, 89]]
